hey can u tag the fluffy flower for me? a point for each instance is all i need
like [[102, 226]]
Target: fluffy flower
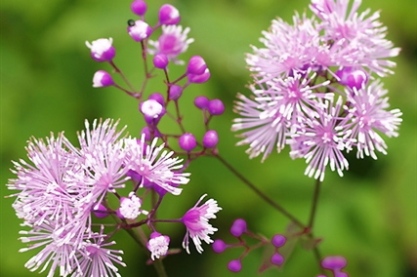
[[360, 35], [277, 108], [158, 245], [196, 221], [151, 165], [321, 141], [172, 42], [367, 107]]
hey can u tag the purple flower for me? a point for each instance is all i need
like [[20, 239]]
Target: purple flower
[[102, 79], [139, 31], [321, 141], [360, 37], [196, 221], [172, 42], [130, 207], [276, 109], [287, 48], [102, 49], [154, 165], [367, 108], [94, 258], [158, 245]]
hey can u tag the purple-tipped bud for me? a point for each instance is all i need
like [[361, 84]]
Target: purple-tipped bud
[[199, 79], [157, 97], [100, 211], [175, 92], [201, 102], [169, 15], [278, 240], [219, 246], [238, 227], [102, 49], [160, 61], [334, 262], [158, 245], [102, 79], [139, 7], [139, 31], [277, 259], [187, 142], [152, 111], [352, 77], [196, 66], [216, 107], [210, 139], [234, 265]]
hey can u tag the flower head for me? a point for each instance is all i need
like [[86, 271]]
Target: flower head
[[196, 221], [367, 107], [158, 245], [102, 49], [172, 42], [154, 166]]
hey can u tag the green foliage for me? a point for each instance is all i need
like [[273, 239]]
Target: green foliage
[[369, 216]]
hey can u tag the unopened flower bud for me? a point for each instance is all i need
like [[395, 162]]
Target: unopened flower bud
[[210, 139], [196, 66], [352, 77], [238, 227], [201, 102], [157, 97], [175, 92], [100, 211], [277, 259], [158, 245], [160, 61], [234, 265], [278, 240], [102, 49], [216, 107], [219, 246], [102, 79], [169, 15], [187, 142], [139, 7], [139, 31], [334, 262], [199, 79], [152, 111]]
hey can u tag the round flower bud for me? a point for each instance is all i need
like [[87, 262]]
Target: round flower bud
[[352, 77], [277, 259], [234, 266], [102, 49], [196, 65], [278, 240], [175, 92], [201, 102], [216, 107], [130, 207], [157, 97], [334, 262], [238, 227], [100, 211], [160, 61], [152, 111], [102, 79], [168, 15], [139, 31], [187, 142], [139, 7], [210, 139], [199, 79], [219, 246]]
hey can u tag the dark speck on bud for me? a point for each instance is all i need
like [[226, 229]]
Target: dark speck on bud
[[131, 22]]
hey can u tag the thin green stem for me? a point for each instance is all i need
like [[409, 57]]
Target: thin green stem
[[260, 193], [159, 267], [313, 210]]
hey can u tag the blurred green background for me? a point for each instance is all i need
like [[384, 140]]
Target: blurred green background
[[369, 216]]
